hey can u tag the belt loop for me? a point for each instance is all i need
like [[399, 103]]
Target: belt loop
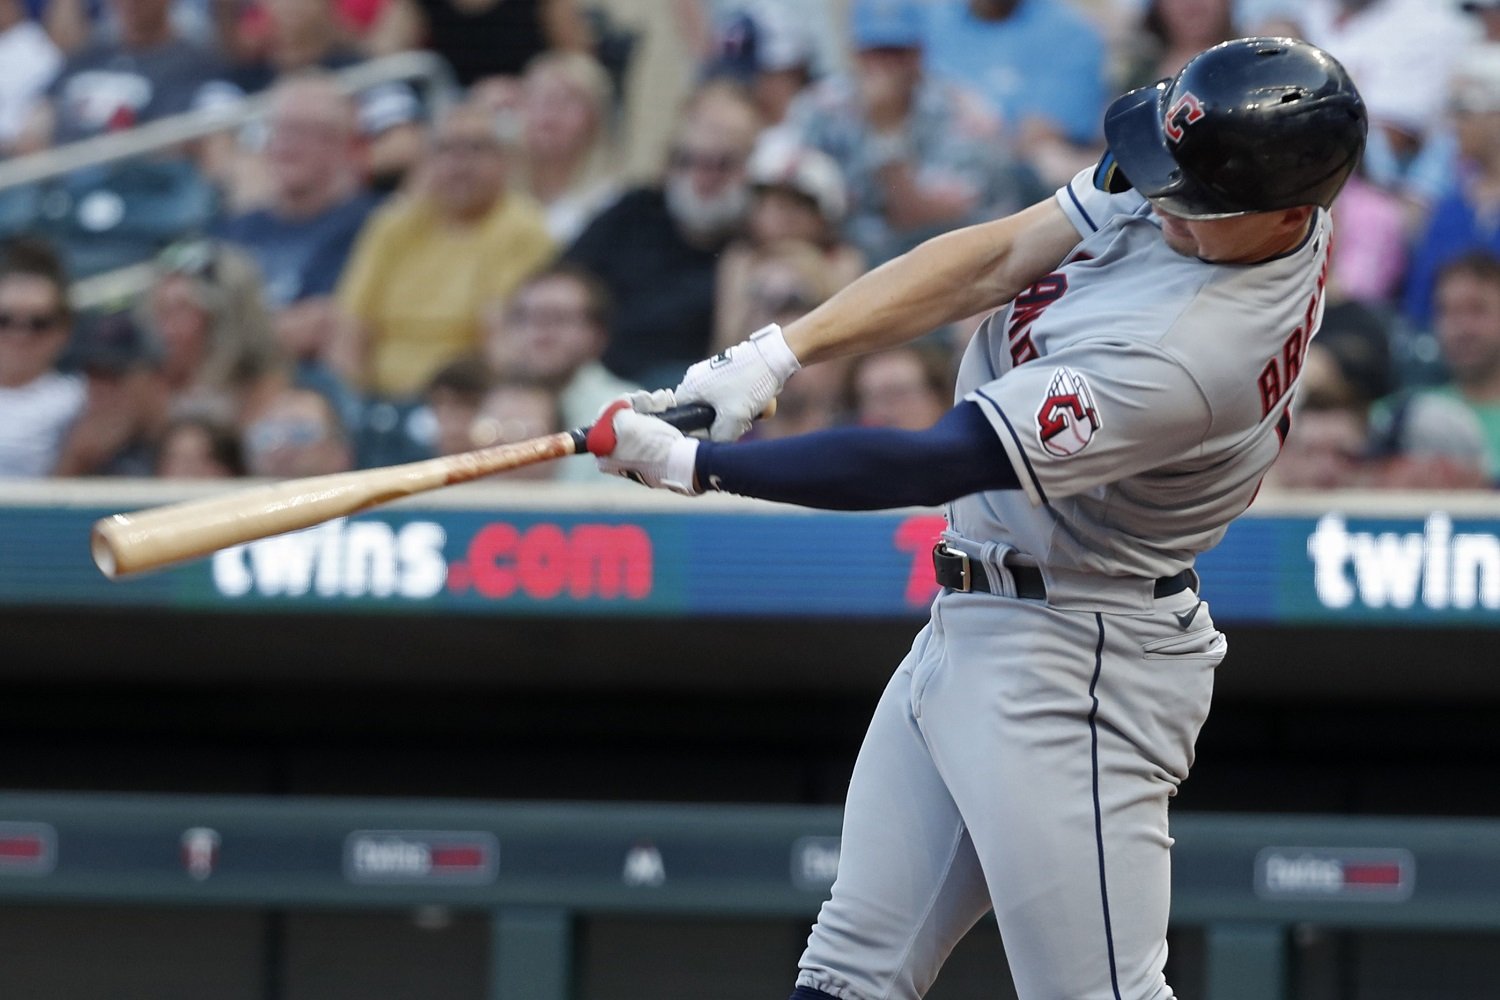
[[1002, 581]]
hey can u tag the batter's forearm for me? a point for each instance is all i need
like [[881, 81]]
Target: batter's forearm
[[865, 468], [947, 278]]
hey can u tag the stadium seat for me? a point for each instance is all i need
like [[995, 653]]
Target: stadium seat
[[108, 217]]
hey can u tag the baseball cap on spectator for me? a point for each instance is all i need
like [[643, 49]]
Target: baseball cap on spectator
[[1476, 80], [759, 40], [887, 24], [779, 161], [1475, 6], [111, 343], [385, 106]]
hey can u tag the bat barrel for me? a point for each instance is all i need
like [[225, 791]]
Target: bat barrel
[[147, 539], [122, 544]]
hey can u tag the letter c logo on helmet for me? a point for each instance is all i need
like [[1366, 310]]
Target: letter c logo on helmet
[[1184, 111]]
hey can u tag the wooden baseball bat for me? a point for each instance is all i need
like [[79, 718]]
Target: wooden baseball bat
[[159, 536]]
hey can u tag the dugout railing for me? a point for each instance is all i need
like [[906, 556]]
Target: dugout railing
[[423, 69], [536, 869]]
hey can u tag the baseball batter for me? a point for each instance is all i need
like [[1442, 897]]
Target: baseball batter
[[1115, 412]]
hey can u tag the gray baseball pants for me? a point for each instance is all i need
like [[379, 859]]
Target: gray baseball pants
[[1020, 760]]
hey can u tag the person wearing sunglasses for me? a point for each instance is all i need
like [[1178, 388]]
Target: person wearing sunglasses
[[299, 433], [38, 403]]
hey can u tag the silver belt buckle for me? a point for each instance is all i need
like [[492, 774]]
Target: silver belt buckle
[[965, 574]]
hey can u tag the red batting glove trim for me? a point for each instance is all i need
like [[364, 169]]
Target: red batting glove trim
[[601, 439]]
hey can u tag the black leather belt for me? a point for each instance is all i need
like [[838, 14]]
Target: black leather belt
[[956, 571]]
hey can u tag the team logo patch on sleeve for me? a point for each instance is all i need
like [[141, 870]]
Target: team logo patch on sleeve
[[1067, 419]]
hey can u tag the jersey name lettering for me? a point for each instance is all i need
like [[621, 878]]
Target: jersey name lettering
[[1028, 306], [1280, 372]]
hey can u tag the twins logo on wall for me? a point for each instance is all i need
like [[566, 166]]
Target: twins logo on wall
[[470, 563], [373, 558], [1436, 568], [1329, 569]]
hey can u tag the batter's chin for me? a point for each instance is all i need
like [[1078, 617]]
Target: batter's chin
[[1178, 236]]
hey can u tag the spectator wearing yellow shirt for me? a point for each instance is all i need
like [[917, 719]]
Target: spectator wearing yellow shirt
[[424, 265]]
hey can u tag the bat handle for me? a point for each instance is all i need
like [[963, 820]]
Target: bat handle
[[687, 418]]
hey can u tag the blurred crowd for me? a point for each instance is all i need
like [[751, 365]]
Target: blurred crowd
[[356, 278]]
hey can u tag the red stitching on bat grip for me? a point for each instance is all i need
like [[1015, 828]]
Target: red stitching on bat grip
[[601, 439]]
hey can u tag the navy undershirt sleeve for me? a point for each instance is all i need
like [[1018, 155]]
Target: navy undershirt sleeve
[[866, 468]]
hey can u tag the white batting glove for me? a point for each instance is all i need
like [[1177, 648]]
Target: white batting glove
[[740, 383], [644, 448], [642, 401]]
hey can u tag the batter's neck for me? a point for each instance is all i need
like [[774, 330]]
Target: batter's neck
[[1281, 244]]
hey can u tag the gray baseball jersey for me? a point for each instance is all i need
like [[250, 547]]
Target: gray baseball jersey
[[1140, 393], [1022, 756]]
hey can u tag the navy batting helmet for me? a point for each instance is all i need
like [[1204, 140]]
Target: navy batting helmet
[[1250, 125]]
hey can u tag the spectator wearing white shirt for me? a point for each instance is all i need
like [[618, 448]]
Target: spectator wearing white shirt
[[31, 61], [38, 404], [1400, 54]]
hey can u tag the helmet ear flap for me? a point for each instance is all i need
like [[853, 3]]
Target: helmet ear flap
[[1109, 177]]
